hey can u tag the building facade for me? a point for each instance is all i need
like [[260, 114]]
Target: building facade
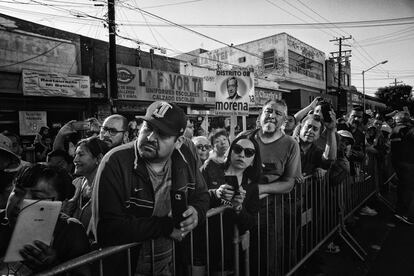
[[281, 58]]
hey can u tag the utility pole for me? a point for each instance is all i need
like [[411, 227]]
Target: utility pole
[[396, 82], [113, 82], [338, 58]]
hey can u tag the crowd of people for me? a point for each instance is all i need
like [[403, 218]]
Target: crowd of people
[[119, 181]]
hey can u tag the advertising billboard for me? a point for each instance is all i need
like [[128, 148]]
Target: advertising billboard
[[55, 85], [234, 89], [136, 83]]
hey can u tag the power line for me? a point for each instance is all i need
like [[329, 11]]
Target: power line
[[172, 4], [39, 55], [190, 30]]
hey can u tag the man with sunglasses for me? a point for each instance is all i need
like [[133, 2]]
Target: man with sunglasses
[[131, 201]]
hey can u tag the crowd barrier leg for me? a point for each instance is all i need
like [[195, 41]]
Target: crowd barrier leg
[[129, 261], [342, 231], [236, 240]]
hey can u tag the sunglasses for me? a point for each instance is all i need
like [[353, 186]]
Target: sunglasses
[[203, 147], [247, 151]]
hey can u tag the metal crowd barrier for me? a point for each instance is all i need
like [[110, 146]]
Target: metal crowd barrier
[[290, 228], [97, 256]]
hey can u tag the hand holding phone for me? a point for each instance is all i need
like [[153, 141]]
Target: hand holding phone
[[326, 108], [233, 182], [81, 125], [178, 206]]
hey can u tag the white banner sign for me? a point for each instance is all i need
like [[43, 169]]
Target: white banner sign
[[55, 85], [233, 90], [30, 122], [135, 83]]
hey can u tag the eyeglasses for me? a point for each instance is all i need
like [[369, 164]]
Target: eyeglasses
[[203, 147], [247, 151], [111, 131]]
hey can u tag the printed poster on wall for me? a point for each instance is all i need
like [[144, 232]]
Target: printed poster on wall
[[30, 122], [136, 83], [55, 85], [233, 91]]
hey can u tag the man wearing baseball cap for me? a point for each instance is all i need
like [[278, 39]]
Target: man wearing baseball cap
[[131, 199]]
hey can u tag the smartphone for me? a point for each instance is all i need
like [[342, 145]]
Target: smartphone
[[325, 108], [233, 182], [178, 206], [81, 125]]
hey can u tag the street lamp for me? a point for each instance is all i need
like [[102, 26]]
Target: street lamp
[[363, 80]]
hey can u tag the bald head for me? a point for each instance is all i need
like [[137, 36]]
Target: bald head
[[114, 130]]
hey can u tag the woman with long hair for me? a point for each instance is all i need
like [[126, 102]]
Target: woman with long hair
[[243, 167]]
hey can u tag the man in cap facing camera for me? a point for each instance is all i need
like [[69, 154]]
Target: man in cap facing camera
[[131, 201]]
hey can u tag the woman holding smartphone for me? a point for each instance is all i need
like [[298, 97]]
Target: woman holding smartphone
[[243, 168]]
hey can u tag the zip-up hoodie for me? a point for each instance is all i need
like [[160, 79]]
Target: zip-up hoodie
[[123, 196]]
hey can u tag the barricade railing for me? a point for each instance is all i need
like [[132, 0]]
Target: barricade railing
[[98, 256], [290, 228]]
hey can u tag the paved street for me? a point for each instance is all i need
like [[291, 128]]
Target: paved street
[[388, 242]]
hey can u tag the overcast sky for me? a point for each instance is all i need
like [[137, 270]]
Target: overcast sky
[[369, 45]]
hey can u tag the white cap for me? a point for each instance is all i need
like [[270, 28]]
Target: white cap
[[346, 134], [386, 128]]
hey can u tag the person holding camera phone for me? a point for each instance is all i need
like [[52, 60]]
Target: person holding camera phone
[[234, 184], [43, 182]]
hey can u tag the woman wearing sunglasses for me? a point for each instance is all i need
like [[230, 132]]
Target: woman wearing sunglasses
[[244, 166], [203, 147]]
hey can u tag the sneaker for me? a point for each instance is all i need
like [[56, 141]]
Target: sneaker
[[403, 219], [333, 248], [367, 211]]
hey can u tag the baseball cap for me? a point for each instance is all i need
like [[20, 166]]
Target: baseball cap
[[346, 134], [5, 152], [168, 118]]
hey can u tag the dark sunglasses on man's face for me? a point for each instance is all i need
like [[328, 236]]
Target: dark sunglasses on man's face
[[247, 151], [203, 147]]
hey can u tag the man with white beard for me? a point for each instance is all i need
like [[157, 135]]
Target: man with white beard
[[281, 159], [280, 153]]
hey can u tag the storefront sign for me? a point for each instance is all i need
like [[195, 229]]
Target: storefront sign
[[262, 95], [51, 54], [30, 122], [233, 91], [135, 83], [55, 85]]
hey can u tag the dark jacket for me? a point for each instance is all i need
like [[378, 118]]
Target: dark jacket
[[245, 220], [125, 196]]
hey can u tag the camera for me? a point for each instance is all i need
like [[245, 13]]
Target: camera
[[81, 125], [325, 108]]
